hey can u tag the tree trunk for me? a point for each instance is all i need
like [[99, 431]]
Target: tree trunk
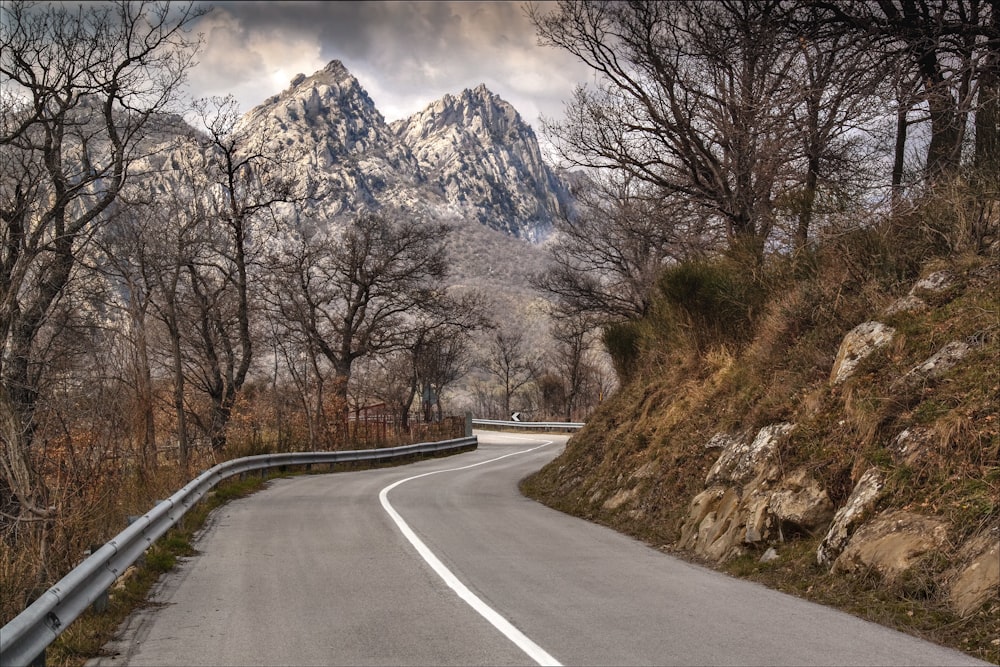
[[183, 452], [899, 153], [145, 386], [988, 119]]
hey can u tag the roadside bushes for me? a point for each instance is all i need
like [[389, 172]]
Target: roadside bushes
[[695, 305], [714, 301]]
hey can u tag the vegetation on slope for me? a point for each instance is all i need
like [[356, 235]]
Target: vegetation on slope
[[726, 349]]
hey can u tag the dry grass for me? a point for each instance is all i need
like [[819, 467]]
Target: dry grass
[[650, 436]]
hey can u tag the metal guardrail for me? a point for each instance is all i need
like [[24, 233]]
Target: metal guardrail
[[554, 426], [24, 638]]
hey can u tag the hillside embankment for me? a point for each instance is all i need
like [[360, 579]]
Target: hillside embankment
[[826, 424]]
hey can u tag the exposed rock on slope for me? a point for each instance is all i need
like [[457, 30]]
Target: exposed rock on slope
[[882, 460]]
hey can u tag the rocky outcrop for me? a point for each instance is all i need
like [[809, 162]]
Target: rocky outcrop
[[858, 344], [891, 543], [465, 157], [741, 460], [862, 499], [476, 149], [748, 501], [911, 445], [935, 283], [977, 577], [942, 361], [800, 504]]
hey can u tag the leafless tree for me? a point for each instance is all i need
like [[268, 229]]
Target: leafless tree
[[951, 47], [246, 179], [511, 362], [81, 88], [693, 98], [361, 290], [570, 358], [607, 256], [440, 358], [842, 96]]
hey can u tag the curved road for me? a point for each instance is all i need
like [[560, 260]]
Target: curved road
[[443, 562]]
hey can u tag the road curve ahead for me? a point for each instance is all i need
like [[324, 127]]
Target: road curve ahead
[[443, 562]]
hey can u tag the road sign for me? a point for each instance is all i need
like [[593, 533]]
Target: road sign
[[516, 417]]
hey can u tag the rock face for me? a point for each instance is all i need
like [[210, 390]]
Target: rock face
[[977, 579], [465, 157], [748, 502], [861, 500], [479, 152], [741, 460], [891, 543], [859, 342], [801, 504], [911, 445], [330, 127], [934, 283], [943, 360]]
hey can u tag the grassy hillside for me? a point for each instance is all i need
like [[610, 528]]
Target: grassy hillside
[[730, 349]]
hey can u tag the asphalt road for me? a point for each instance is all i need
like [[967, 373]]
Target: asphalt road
[[443, 562]]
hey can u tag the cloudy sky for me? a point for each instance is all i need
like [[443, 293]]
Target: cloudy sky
[[405, 54]]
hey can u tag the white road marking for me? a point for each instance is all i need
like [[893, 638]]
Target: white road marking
[[534, 651]]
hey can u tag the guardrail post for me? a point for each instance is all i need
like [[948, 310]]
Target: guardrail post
[[100, 603], [39, 660]]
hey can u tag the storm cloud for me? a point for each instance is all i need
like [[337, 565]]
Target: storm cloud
[[405, 54]]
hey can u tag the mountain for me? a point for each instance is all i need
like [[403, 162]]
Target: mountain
[[464, 158], [476, 148], [328, 125]]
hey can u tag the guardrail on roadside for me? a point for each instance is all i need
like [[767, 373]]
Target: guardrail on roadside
[[25, 637], [552, 426]]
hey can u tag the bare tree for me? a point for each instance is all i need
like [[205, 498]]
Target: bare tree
[[360, 291], [573, 338], [440, 358], [841, 99], [693, 99], [245, 180], [80, 90], [607, 256], [951, 46], [511, 362]]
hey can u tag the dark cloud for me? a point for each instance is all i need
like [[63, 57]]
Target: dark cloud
[[406, 54]]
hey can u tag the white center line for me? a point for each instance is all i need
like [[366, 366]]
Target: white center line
[[533, 650]]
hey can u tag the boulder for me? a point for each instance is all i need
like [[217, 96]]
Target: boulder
[[741, 460], [936, 282], [911, 445], [977, 578], [801, 504], [866, 492], [942, 361], [858, 344], [908, 304], [890, 543], [701, 506], [714, 527], [619, 499], [725, 440], [769, 555]]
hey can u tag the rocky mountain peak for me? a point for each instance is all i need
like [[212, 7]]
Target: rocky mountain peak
[[469, 156], [485, 158]]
